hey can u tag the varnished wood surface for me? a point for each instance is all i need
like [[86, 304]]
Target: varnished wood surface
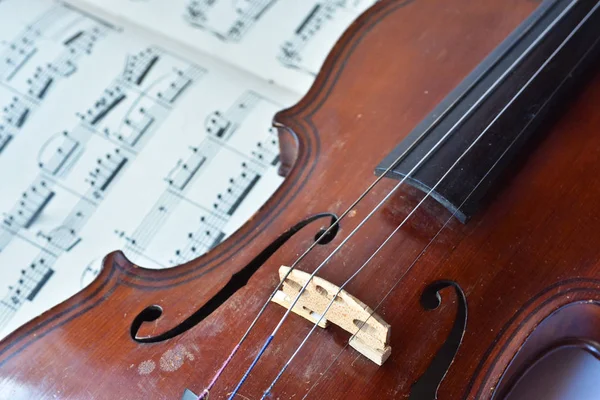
[[533, 251]]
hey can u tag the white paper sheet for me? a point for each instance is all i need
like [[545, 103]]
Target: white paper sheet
[[113, 137], [284, 41]]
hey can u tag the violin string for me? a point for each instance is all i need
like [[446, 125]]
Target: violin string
[[335, 223], [327, 231], [205, 392], [424, 250], [394, 286], [417, 166], [324, 234]]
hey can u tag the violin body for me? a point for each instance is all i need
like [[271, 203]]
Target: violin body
[[521, 277]]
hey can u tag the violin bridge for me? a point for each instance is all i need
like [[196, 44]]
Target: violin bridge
[[370, 333]]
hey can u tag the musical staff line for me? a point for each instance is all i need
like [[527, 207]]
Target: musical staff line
[[13, 117], [21, 94], [321, 15], [190, 201], [211, 230], [241, 16], [92, 17], [220, 128]]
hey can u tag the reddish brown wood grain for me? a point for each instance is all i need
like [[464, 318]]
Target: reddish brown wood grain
[[534, 251]]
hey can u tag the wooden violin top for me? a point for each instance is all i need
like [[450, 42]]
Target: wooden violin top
[[519, 278]]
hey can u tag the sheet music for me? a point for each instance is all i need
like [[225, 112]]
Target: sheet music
[[284, 41], [110, 141]]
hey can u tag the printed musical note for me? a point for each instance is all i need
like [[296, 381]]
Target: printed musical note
[[16, 112], [239, 188], [211, 231], [42, 80], [18, 53], [131, 120], [139, 122], [13, 117], [65, 237], [223, 125], [185, 171], [26, 211], [84, 40], [47, 75], [30, 205], [59, 153], [318, 19], [236, 17], [63, 66], [31, 280], [202, 242], [5, 139], [109, 101], [179, 81], [198, 10], [138, 100], [209, 234], [267, 151], [106, 170], [138, 66]]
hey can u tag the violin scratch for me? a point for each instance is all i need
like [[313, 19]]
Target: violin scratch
[[174, 359], [240, 395], [146, 367]]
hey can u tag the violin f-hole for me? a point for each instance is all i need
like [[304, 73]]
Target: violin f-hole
[[236, 282], [426, 387]]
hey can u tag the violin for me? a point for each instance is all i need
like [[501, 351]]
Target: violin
[[436, 234]]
